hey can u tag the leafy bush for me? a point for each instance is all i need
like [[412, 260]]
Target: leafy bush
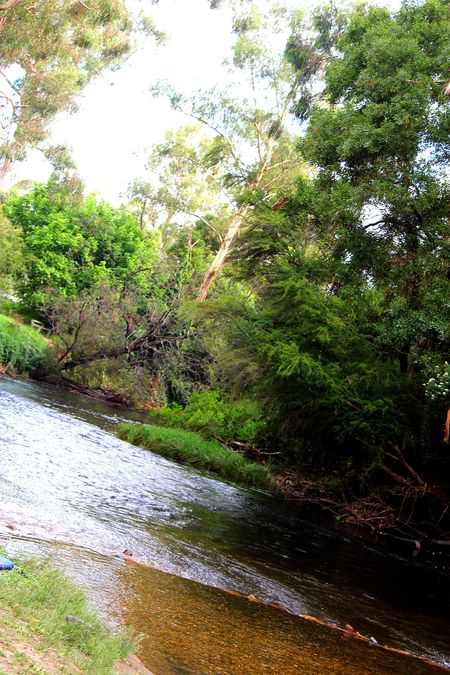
[[21, 347], [191, 448], [71, 246], [214, 417]]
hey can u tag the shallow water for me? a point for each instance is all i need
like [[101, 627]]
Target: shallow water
[[73, 491]]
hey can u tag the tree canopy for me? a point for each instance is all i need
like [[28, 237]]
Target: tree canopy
[[49, 51], [69, 247]]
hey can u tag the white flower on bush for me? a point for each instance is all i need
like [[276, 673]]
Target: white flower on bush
[[438, 387]]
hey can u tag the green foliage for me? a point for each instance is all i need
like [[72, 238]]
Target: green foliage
[[348, 281], [45, 595], [11, 255], [21, 347], [70, 246], [381, 147], [308, 358], [53, 51], [332, 314], [437, 388], [190, 448], [214, 417]]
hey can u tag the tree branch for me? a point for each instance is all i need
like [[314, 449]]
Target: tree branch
[[9, 4], [205, 222], [216, 130], [408, 467]]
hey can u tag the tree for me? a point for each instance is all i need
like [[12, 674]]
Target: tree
[[72, 245], [126, 338], [344, 321], [49, 51], [182, 185], [11, 255], [251, 154], [382, 147]]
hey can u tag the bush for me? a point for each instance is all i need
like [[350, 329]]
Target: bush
[[214, 417], [21, 347]]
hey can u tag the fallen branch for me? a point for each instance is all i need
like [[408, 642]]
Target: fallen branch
[[394, 475], [401, 458]]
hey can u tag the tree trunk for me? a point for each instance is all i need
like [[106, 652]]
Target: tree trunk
[[146, 344], [4, 7], [237, 220], [222, 253], [5, 166]]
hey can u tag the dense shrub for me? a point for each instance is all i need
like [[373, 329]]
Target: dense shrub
[[214, 417]]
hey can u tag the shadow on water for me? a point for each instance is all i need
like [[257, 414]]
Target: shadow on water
[[66, 478]]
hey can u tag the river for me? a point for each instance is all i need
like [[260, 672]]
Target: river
[[71, 491]]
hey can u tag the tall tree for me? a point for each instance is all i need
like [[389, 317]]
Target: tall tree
[[181, 183], [251, 153], [382, 145]]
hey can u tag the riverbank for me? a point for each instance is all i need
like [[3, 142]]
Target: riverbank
[[411, 523], [46, 626], [189, 447]]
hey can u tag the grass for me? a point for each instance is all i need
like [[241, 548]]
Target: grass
[[22, 348], [34, 607], [190, 448]]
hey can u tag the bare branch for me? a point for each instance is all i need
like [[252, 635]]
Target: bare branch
[[207, 223], [216, 130], [9, 4]]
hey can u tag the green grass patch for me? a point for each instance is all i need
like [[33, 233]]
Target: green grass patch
[[38, 602], [22, 348], [190, 448]]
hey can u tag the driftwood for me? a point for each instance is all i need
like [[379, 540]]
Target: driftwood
[[101, 393], [248, 450]]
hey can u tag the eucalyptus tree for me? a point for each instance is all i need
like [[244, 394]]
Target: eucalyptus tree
[[252, 155], [180, 183], [49, 51]]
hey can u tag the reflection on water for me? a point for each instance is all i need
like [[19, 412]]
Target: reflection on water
[[188, 628], [66, 478], [193, 629]]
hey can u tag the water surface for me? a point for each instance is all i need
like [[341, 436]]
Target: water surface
[[71, 490]]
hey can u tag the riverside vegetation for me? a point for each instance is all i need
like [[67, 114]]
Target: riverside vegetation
[[47, 626], [191, 448], [278, 285], [22, 348]]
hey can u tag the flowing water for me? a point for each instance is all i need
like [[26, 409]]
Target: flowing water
[[70, 490]]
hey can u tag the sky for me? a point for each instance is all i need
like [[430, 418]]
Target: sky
[[117, 116]]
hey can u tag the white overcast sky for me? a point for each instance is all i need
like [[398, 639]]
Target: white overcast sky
[[117, 115]]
